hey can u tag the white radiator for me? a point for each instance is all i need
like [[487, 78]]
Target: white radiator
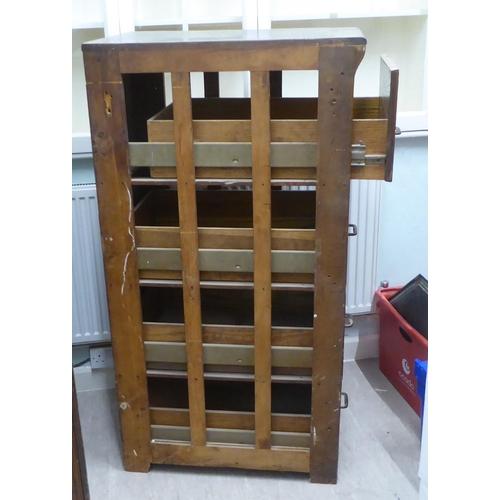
[[364, 212], [90, 311]]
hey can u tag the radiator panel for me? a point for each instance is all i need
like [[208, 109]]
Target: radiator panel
[[364, 212], [90, 311]]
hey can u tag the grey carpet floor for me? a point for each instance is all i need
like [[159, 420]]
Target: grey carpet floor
[[378, 459]]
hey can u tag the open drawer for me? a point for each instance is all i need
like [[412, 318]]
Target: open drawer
[[230, 411], [225, 236], [222, 136]]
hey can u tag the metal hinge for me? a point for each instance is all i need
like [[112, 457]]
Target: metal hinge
[[359, 157]]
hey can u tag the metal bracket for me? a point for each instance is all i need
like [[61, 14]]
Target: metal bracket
[[346, 400], [348, 321], [359, 158]]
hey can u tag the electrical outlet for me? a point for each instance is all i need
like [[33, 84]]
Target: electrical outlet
[[101, 357]]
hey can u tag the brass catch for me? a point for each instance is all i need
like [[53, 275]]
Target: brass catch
[[359, 158]]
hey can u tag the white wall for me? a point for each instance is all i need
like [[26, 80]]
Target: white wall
[[403, 224], [83, 171]]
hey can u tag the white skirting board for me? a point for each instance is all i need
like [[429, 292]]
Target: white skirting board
[[87, 379], [361, 342]]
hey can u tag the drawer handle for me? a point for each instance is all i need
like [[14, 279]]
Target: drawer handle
[[405, 335], [353, 230], [343, 395]]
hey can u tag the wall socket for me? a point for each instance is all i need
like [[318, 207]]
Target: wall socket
[[101, 357]]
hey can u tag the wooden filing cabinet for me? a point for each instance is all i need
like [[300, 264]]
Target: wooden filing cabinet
[[225, 286]]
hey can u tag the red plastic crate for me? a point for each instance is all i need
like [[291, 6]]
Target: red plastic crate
[[400, 345]]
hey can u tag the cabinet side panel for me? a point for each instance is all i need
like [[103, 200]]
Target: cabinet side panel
[[337, 66], [106, 101]]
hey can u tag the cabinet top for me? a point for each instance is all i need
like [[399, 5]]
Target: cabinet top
[[141, 40]]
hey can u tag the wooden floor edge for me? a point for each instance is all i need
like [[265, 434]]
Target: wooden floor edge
[[275, 459]]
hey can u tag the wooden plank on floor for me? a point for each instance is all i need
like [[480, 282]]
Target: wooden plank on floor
[[181, 93], [261, 193], [284, 459]]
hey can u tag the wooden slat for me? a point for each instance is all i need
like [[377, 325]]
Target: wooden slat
[[181, 93], [229, 436], [225, 238], [292, 176], [245, 173], [369, 172], [282, 108], [389, 81], [106, 102], [225, 334], [279, 280], [337, 67], [225, 285], [261, 190], [372, 132], [294, 460], [211, 84], [231, 420], [211, 59]]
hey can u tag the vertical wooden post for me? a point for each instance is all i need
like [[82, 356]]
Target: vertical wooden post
[[211, 84], [337, 66], [116, 216], [276, 81], [188, 223], [261, 192]]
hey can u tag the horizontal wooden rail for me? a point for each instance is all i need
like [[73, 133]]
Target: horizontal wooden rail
[[222, 354], [230, 436], [224, 334], [224, 238], [227, 281], [277, 459], [230, 419]]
